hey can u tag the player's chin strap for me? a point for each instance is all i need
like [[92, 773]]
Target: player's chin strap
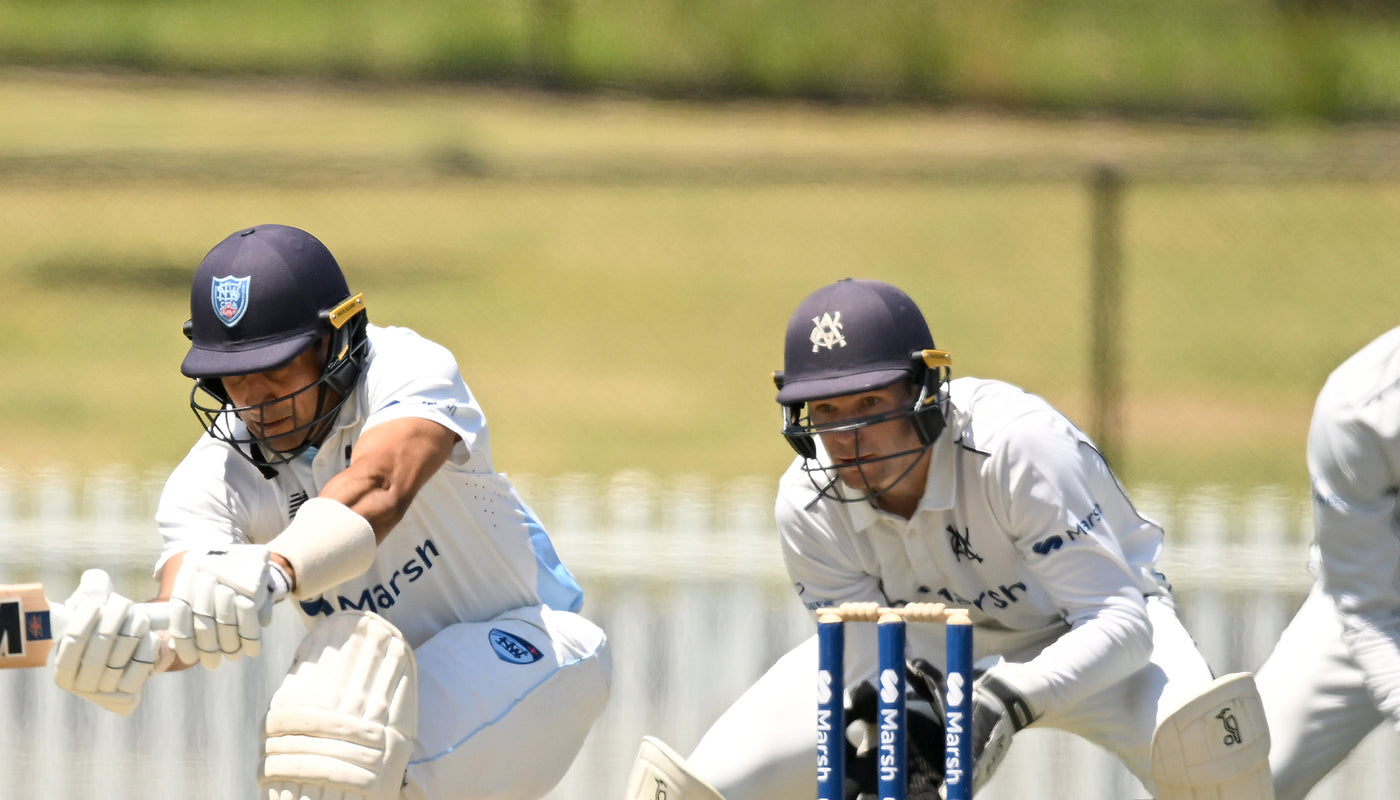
[[1215, 745], [659, 773]]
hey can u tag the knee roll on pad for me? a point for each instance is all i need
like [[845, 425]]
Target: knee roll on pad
[[659, 773], [1215, 746], [344, 720]]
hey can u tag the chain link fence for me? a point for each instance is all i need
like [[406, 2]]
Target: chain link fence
[[617, 312]]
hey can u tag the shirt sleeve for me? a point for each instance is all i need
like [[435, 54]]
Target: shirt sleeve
[[413, 377], [1354, 513], [214, 497], [1062, 506]]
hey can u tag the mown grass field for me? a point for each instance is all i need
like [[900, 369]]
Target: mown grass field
[[615, 274]]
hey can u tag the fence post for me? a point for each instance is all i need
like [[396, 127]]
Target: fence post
[[549, 42], [1105, 304]]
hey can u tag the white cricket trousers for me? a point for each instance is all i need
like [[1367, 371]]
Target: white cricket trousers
[[495, 722], [1314, 697], [764, 746]]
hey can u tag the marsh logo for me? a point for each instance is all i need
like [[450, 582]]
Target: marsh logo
[[891, 688], [827, 332], [955, 690], [1082, 527], [513, 649], [382, 596], [230, 298]]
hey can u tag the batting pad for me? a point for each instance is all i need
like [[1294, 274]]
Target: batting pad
[[342, 724], [660, 773], [1216, 746]]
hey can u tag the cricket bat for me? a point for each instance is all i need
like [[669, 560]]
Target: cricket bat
[[30, 624]]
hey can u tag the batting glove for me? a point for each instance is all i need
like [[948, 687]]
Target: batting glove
[[229, 592], [108, 650]]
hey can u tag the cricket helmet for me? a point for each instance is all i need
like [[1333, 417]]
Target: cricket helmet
[[260, 298], [855, 336]]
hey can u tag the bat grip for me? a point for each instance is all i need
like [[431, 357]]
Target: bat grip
[[158, 613]]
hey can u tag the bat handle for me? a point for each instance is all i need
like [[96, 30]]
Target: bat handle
[[158, 613]]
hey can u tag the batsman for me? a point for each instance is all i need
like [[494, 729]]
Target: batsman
[[911, 487], [346, 468]]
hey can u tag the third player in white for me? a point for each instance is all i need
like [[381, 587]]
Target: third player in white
[[1334, 675]]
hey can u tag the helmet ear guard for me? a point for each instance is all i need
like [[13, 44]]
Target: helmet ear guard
[[928, 418], [347, 322]]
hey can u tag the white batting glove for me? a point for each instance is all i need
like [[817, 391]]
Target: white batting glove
[[229, 592], [108, 651]]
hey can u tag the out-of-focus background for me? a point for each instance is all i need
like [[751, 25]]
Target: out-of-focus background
[[1171, 220]]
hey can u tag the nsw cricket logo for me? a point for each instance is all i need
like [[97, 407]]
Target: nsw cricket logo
[[230, 298], [827, 332]]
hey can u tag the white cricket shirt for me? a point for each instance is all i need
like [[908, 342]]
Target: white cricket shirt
[[467, 550], [1354, 463], [1021, 522]]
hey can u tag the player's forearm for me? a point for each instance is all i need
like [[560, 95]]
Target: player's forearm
[[1360, 566], [390, 464], [1098, 652]]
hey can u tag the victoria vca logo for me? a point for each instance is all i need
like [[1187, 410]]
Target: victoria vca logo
[[827, 332]]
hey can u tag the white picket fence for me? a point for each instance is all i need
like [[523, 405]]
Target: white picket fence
[[685, 577]]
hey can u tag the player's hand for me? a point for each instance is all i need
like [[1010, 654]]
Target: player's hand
[[108, 651], [999, 709], [924, 740], [229, 592]]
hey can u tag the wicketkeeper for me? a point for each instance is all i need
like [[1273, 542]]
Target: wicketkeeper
[[347, 467], [910, 487]]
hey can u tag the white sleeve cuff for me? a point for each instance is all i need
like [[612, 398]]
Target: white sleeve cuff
[[326, 544]]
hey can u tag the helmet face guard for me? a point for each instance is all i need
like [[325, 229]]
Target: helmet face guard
[[926, 414], [224, 421]]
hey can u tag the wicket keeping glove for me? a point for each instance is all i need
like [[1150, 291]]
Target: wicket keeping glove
[[924, 739], [229, 592], [999, 709], [108, 650]]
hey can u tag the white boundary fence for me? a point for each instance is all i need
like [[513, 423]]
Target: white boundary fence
[[684, 576]]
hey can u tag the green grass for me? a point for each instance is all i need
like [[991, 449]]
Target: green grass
[[1244, 59], [615, 275]]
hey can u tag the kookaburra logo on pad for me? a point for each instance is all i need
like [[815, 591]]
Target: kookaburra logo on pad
[[1232, 726], [827, 332]]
